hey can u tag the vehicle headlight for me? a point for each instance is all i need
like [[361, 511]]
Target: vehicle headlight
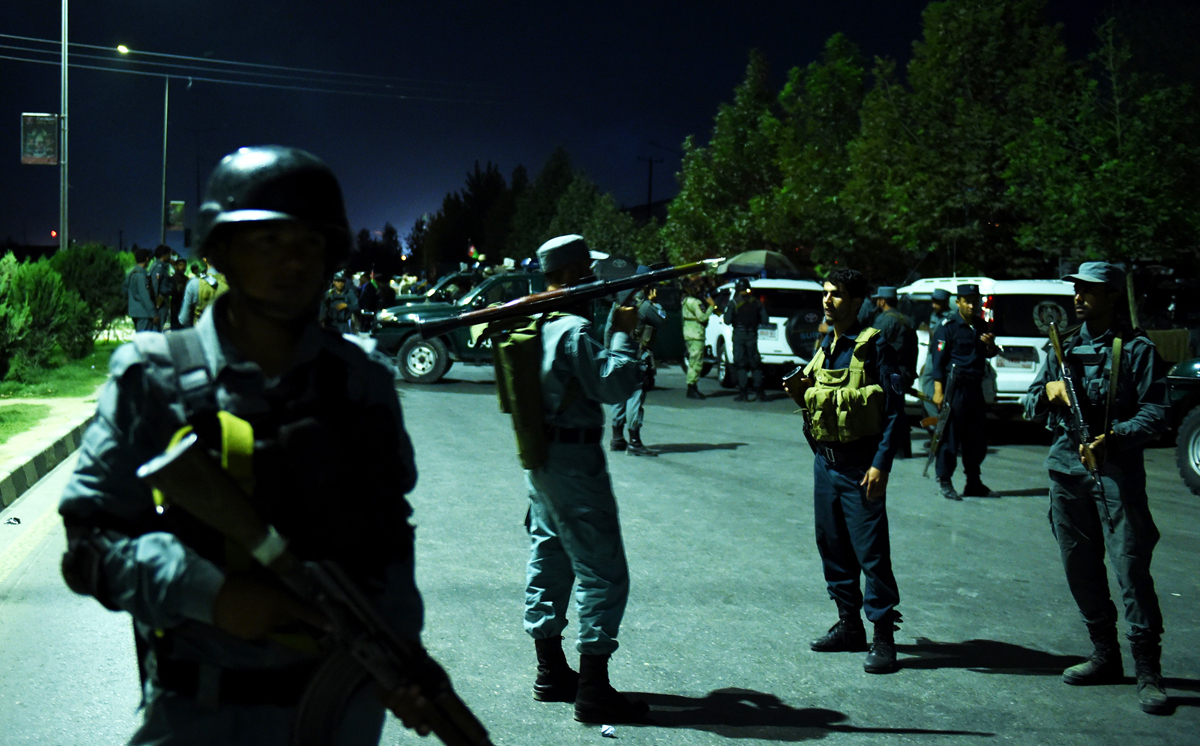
[[386, 315]]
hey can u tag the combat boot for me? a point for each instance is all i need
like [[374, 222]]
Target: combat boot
[[693, 392], [976, 488], [741, 395], [1103, 666], [947, 489], [618, 439], [882, 658], [762, 394], [636, 446], [847, 635], [1152, 696], [597, 702], [555, 682]]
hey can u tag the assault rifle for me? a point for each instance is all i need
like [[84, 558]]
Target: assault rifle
[[366, 648], [1077, 425], [943, 418], [563, 297]]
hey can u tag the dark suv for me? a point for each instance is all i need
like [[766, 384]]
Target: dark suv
[[426, 361], [1184, 382]]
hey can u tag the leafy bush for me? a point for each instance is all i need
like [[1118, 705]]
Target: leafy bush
[[14, 316], [93, 271], [57, 318]]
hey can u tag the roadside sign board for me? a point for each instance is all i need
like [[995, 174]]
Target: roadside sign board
[[39, 139], [175, 215]]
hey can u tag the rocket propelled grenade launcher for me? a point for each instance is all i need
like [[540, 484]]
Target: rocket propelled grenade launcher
[[555, 299]]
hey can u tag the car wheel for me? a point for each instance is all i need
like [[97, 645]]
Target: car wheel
[[725, 374], [422, 360], [1187, 450]]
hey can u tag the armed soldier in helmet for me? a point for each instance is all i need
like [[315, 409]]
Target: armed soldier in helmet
[[745, 313], [338, 306], [226, 654]]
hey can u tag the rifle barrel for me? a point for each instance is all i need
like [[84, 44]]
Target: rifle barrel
[[552, 299]]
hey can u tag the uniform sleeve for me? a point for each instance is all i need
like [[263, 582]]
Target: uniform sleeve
[[941, 358], [608, 375], [154, 576], [730, 310], [652, 314], [187, 309], [351, 303], [1150, 417], [888, 375]]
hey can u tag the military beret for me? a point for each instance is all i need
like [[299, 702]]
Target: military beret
[[563, 252], [968, 289], [1100, 272], [941, 294]]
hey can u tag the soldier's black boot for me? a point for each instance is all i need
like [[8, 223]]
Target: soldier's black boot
[[618, 439], [1103, 666], [882, 658], [636, 446], [1152, 696], [597, 702], [556, 682], [976, 488], [693, 392], [947, 489], [741, 395], [846, 636], [762, 394]]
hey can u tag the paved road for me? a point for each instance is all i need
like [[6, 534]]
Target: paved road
[[726, 594]]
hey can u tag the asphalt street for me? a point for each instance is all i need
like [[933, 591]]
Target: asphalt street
[[726, 594]]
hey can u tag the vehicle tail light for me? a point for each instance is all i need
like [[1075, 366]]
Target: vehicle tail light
[[988, 311]]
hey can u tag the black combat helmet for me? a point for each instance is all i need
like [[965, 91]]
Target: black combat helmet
[[268, 183], [742, 285]]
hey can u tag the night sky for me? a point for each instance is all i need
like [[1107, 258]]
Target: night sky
[[609, 81]]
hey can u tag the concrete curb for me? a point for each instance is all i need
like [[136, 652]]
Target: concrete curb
[[32, 465]]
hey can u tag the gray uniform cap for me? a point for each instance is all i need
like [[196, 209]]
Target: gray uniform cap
[[1100, 272], [563, 252], [886, 292], [941, 294]]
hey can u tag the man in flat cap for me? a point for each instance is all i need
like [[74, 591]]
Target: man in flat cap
[[939, 302], [573, 524], [965, 344], [897, 330], [1119, 379]]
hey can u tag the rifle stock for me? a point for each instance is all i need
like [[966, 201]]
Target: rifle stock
[[195, 482], [1078, 427], [555, 299]]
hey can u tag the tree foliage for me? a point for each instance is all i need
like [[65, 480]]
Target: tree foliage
[[94, 272]]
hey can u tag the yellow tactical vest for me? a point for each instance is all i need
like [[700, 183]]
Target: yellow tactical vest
[[844, 405], [209, 289]]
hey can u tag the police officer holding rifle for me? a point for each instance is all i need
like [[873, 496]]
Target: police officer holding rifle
[[259, 394], [1104, 401], [853, 407]]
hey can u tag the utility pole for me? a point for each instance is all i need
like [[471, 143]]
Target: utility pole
[[650, 183], [162, 203], [63, 238]]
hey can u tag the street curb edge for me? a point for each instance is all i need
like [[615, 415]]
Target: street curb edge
[[33, 465]]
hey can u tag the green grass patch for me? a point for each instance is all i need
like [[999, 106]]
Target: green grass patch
[[72, 378], [17, 418]]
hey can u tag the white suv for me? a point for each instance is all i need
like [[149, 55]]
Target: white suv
[[794, 310], [1019, 311]]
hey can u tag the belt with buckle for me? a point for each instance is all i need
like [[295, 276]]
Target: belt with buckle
[[577, 435], [859, 456]]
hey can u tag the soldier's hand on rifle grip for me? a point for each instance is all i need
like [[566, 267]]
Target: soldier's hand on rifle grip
[[624, 319], [795, 388], [251, 609], [409, 705], [1092, 455], [1056, 392]]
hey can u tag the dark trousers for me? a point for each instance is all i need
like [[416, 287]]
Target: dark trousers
[[141, 324], [746, 359], [966, 432], [1084, 539], [852, 538]]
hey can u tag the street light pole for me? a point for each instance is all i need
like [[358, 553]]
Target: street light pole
[[162, 203], [63, 240]]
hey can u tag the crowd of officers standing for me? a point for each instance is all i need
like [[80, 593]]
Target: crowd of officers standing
[[227, 655]]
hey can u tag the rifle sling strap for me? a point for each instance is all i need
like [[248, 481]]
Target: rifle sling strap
[[1113, 377]]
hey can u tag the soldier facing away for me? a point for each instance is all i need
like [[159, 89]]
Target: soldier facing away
[[1124, 400], [226, 653], [745, 313]]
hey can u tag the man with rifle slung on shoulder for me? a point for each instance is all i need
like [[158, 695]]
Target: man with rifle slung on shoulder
[[272, 592], [963, 341], [853, 405], [1104, 400]]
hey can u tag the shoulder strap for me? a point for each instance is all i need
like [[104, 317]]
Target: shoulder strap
[[1113, 377], [191, 372]]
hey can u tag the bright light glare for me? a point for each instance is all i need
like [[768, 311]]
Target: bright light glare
[[122, 49]]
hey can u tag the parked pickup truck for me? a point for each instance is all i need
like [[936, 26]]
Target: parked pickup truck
[[1184, 382], [426, 361]]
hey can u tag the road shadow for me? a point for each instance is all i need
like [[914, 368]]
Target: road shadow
[[694, 447], [1030, 492], [984, 656], [745, 713]]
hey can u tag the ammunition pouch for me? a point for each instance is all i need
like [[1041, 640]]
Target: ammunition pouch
[[844, 405]]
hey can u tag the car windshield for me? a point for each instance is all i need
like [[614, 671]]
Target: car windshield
[[450, 288], [1029, 315], [787, 302]]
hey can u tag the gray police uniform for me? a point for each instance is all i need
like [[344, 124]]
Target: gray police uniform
[[651, 318], [331, 316], [141, 300], [163, 287], [925, 380], [1139, 415], [202, 685]]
